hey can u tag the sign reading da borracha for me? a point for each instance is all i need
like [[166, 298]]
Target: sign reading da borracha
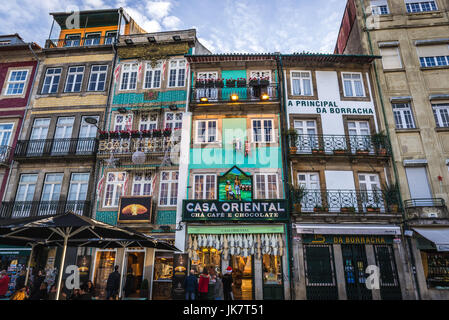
[[210, 210]]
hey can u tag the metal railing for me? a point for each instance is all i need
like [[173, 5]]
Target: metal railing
[[344, 201], [56, 147], [128, 145], [79, 42], [424, 202], [5, 154], [214, 93], [341, 144], [15, 209]]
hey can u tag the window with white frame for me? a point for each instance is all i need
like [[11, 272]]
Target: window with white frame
[[403, 116], [152, 76], [261, 74], [207, 75], [168, 191], [173, 120], [379, 7], [5, 133], [74, 79], [26, 188], [177, 73], [129, 76], [204, 186], [390, 58], [433, 55], [148, 121], [115, 185], [16, 82], [262, 130], [123, 122], [51, 81], [142, 183], [206, 131], [420, 6], [266, 186], [97, 79], [301, 83], [353, 84], [441, 113]]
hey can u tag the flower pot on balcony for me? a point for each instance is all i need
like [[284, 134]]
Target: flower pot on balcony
[[297, 207], [241, 83], [340, 151], [382, 152], [393, 208], [157, 133], [320, 209], [230, 83], [293, 150], [362, 152], [371, 209], [347, 209], [317, 151]]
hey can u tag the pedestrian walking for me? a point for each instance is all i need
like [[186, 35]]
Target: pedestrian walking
[[211, 287], [227, 284], [37, 281], [91, 289], [4, 282], [191, 286], [219, 294], [203, 286], [20, 281], [113, 284]]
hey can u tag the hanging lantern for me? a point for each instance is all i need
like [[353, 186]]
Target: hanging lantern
[[138, 157]]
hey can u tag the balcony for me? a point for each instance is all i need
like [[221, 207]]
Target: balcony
[[5, 155], [79, 42], [215, 93], [51, 148], [14, 210], [343, 202], [318, 145], [426, 208]]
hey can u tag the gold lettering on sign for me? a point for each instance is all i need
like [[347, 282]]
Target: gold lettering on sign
[[318, 239]]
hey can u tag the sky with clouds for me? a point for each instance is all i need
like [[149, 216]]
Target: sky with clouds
[[222, 25]]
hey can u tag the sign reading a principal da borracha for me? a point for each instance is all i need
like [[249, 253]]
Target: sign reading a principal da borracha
[[256, 210]]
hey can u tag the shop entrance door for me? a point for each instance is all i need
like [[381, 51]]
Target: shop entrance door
[[389, 282], [243, 277], [104, 265], [355, 263], [133, 273]]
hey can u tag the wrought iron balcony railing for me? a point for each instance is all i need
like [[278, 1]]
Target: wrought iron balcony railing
[[424, 202], [212, 94], [426, 208], [343, 201], [15, 209], [56, 148], [5, 155], [127, 146], [319, 144], [79, 42]]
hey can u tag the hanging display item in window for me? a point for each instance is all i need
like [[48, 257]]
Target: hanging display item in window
[[235, 185], [438, 269]]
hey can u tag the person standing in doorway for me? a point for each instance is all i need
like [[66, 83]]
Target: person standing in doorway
[[203, 286], [227, 284], [113, 284], [191, 285]]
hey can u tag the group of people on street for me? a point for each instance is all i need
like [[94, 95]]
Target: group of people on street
[[210, 285], [39, 289]]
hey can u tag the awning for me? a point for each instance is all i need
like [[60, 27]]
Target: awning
[[369, 229], [439, 236]]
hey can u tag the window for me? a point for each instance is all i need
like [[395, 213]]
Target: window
[[420, 6], [260, 74], [311, 182], [148, 122], [390, 58], [115, 185], [206, 131], [263, 131], [142, 184], [433, 55], [5, 42], [92, 39], [173, 120], [52, 187], [5, 133], [72, 40], [78, 187], [168, 194], [97, 78], [27, 185], [205, 186], [266, 186], [301, 83], [110, 37], [74, 79], [16, 82], [51, 82], [123, 122], [207, 75], [441, 113], [379, 7], [353, 85], [129, 76], [152, 76], [177, 73], [403, 116]]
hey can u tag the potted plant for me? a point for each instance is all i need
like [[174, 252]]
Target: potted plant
[[144, 289], [157, 133], [297, 196], [318, 151], [379, 141], [362, 151], [146, 133], [292, 136], [391, 196], [167, 132], [230, 83], [340, 151], [320, 209], [241, 82], [219, 83], [200, 83], [372, 208], [124, 134], [348, 209]]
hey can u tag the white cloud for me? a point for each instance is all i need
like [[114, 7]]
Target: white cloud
[[158, 9], [172, 22]]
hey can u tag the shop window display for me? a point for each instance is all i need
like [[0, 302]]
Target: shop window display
[[272, 270], [105, 262], [163, 274], [436, 269]]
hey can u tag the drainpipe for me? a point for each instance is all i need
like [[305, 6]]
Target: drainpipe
[[286, 173], [412, 257]]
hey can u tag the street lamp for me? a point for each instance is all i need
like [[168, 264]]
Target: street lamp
[[92, 121]]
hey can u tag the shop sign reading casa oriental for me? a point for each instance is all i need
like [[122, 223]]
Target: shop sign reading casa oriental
[[256, 210]]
